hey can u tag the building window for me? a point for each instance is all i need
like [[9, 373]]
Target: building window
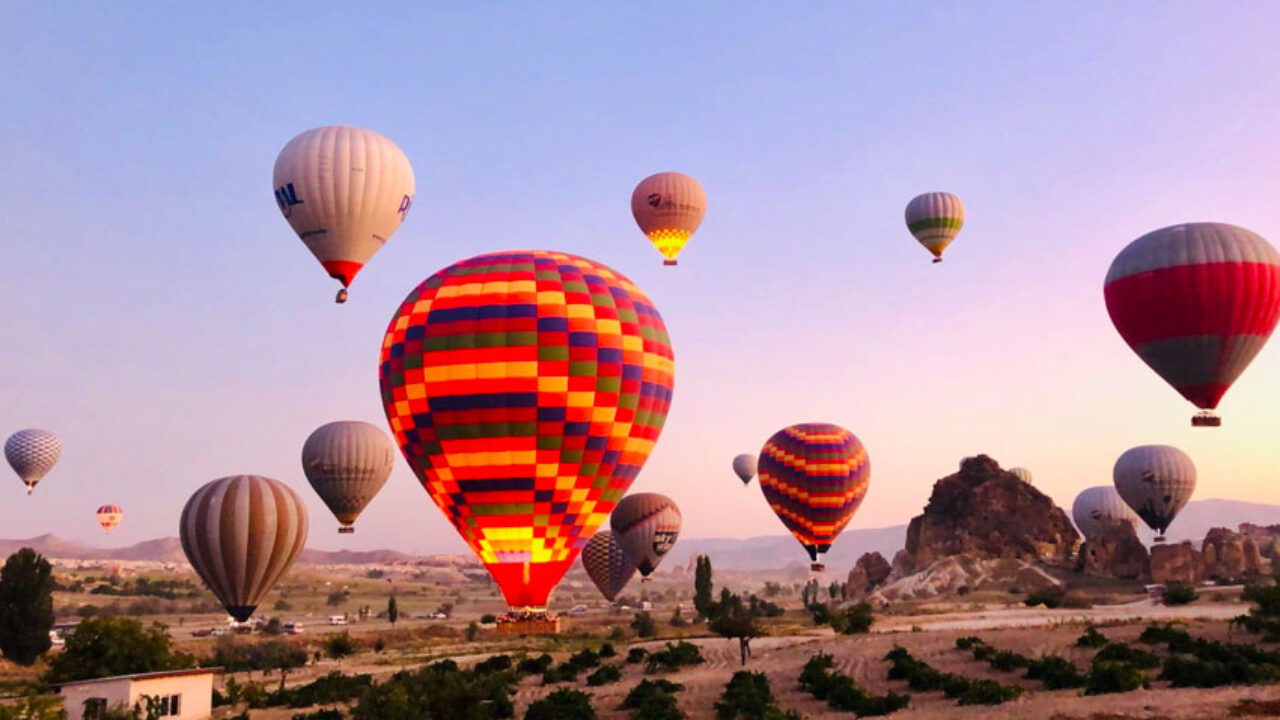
[[94, 708], [165, 705]]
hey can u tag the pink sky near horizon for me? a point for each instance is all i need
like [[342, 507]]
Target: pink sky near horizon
[[165, 322]]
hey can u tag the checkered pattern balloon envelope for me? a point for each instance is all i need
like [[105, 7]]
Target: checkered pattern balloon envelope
[[526, 390], [32, 453], [606, 564], [109, 516], [814, 476]]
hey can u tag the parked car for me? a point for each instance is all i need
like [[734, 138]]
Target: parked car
[[292, 628], [337, 620], [578, 609]]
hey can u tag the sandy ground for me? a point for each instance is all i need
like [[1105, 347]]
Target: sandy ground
[[1028, 631]]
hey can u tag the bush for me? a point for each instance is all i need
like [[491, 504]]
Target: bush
[[648, 688], [968, 642], [534, 666], [563, 704], [1179, 594], [1188, 672], [439, 690], [747, 696], [494, 663], [607, 651], [653, 700], [1157, 633], [815, 676], [488, 619], [674, 656], [644, 626], [1055, 673], [919, 676], [989, 692], [585, 660], [1119, 652], [604, 675], [637, 655], [659, 707], [1006, 660], [332, 688], [323, 714], [1110, 676], [564, 672], [1091, 638], [339, 646], [858, 619], [1050, 597]]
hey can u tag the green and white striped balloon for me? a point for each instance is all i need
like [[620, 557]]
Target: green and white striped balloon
[[935, 218]]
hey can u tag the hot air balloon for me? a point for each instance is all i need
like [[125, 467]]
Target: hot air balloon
[[109, 516], [344, 190], [241, 534], [669, 207], [646, 525], [1156, 481], [1196, 302], [1097, 508], [526, 390], [347, 463], [814, 476], [32, 453], [1021, 473], [606, 564], [935, 218], [745, 467]]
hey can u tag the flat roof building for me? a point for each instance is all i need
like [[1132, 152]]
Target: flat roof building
[[182, 694]]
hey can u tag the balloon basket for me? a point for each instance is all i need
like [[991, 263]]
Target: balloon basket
[[817, 567], [646, 579], [528, 623], [937, 260], [341, 297], [1206, 419], [669, 262], [347, 530], [1159, 539]]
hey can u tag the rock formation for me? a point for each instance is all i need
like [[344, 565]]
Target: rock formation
[[1230, 556], [1176, 562], [987, 512], [869, 573], [1115, 553], [1265, 537]]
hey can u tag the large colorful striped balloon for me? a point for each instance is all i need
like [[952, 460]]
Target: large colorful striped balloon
[[241, 534], [934, 219], [109, 516], [647, 526], [669, 207], [606, 564], [814, 476], [526, 390], [32, 453], [1156, 481], [1097, 508], [1196, 302]]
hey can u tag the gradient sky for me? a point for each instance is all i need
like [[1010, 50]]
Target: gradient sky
[[163, 319]]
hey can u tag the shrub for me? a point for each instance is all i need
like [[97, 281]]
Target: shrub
[[1179, 594], [1119, 652], [659, 707], [644, 625], [604, 675], [563, 704], [488, 619], [1050, 597], [637, 655], [989, 692], [747, 696], [564, 672], [858, 619], [607, 651], [585, 660], [493, 664], [339, 646], [647, 689], [1110, 676], [1006, 660], [534, 666], [675, 655], [968, 642], [815, 676], [332, 688], [1055, 673], [1157, 633], [954, 686], [1091, 638], [322, 714], [439, 690]]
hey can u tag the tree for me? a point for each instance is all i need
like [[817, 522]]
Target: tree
[[563, 704], [643, 625], [34, 707], [283, 656], [393, 612], [472, 630], [733, 619], [102, 647], [339, 646], [702, 586], [26, 606]]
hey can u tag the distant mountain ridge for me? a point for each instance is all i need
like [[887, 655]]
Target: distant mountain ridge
[[770, 552]]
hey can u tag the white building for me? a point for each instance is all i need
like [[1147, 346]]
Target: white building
[[183, 694]]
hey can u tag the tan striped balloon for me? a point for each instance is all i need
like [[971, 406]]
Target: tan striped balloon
[[241, 534], [344, 190], [347, 462], [935, 218], [646, 525]]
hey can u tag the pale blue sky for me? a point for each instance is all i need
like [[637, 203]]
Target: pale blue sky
[[164, 320]]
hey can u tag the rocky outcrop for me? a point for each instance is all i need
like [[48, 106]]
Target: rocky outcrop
[[1176, 562], [1115, 553], [986, 512], [1230, 556], [1265, 537], [869, 573], [960, 574]]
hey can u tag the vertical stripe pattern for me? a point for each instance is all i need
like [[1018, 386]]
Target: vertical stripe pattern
[[646, 526], [347, 463], [1156, 481], [241, 534], [814, 476], [934, 219], [1096, 508]]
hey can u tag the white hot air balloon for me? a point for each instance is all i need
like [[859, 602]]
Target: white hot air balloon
[[344, 190], [32, 453], [1098, 507], [1156, 481]]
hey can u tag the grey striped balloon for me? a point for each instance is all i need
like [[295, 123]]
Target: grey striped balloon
[[1096, 508], [606, 564], [646, 526], [1156, 481], [241, 534], [32, 453], [347, 463]]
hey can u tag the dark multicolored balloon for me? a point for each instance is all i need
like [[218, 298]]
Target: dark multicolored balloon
[[814, 476], [1196, 302], [606, 564], [526, 390], [647, 526]]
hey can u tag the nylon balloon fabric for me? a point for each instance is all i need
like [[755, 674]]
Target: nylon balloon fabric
[[814, 476], [606, 564], [32, 453], [526, 389]]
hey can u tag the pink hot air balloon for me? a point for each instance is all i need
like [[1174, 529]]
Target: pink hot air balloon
[[1196, 302]]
